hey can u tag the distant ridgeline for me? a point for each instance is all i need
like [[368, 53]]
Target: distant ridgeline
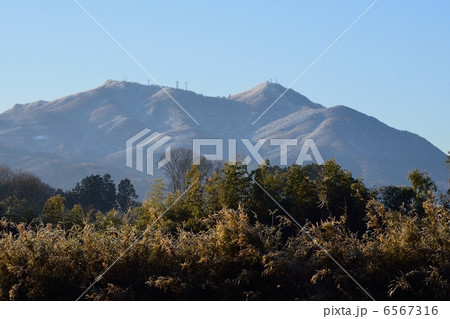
[[85, 133]]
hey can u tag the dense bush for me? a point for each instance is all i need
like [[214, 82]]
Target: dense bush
[[224, 240], [399, 257]]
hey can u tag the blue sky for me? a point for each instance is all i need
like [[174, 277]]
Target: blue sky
[[394, 64]]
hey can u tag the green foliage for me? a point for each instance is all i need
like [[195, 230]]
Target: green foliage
[[111, 220], [423, 186], [225, 239], [96, 192], [212, 204], [126, 195], [16, 210], [75, 216], [233, 185], [421, 183], [156, 195], [194, 192], [54, 209], [273, 180], [301, 190], [194, 197], [340, 194], [153, 207], [396, 197], [334, 188]]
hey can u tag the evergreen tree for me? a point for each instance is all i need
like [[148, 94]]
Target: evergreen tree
[[212, 204], [301, 194], [126, 195], [193, 197], [395, 197], [272, 180], [108, 193], [96, 192], [234, 185], [334, 186], [340, 194]]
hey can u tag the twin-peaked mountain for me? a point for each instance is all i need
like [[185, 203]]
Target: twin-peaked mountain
[[85, 133]]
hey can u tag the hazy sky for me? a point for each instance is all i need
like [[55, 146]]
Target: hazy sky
[[394, 64]]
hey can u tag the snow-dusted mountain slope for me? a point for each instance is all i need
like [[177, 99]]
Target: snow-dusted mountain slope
[[85, 133]]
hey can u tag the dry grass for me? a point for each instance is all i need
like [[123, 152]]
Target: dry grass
[[401, 256]]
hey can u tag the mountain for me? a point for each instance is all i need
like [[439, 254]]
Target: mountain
[[69, 138]]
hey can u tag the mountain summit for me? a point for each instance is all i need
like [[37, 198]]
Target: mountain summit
[[267, 93], [84, 133]]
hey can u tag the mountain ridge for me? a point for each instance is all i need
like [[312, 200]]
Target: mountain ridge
[[89, 129]]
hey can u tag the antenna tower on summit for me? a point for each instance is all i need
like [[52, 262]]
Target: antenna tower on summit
[[185, 86], [176, 84]]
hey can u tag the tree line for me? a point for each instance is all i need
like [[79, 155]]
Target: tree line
[[219, 233], [310, 193], [24, 197]]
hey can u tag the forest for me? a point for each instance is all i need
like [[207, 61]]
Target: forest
[[309, 232]]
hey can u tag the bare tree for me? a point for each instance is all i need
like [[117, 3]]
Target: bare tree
[[30, 188], [181, 160], [6, 174]]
